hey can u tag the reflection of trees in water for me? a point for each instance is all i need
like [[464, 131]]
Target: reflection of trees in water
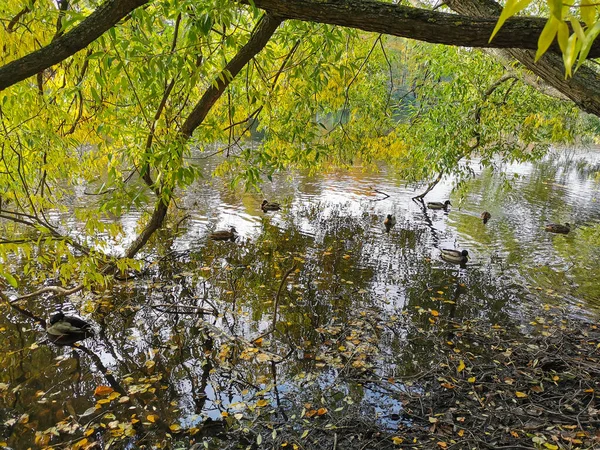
[[184, 327]]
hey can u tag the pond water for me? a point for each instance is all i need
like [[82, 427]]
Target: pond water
[[190, 341]]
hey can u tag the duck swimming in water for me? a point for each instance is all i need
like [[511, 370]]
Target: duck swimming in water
[[389, 222], [485, 216], [558, 228], [455, 256], [439, 205], [224, 235], [65, 330], [266, 206]]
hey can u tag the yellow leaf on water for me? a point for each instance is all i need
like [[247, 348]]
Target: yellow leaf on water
[[174, 427], [79, 444], [397, 440], [461, 433], [471, 380], [262, 402], [321, 411], [103, 390], [550, 446], [461, 366], [520, 394], [432, 420], [262, 357], [434, 313], [224, 414], [152, 418]]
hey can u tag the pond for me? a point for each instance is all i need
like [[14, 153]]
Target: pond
[[304, 310]]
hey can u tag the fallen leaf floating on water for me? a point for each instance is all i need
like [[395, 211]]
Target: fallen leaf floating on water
[[103, 390]]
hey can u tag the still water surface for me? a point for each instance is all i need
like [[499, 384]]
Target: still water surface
[[171, 338]]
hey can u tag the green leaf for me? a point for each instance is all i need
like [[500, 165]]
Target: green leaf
[[587, 9], [11, 280], [511, 8], [577, 28], [570, 54], [563, 36], [590, 36], [547, 36], [556, 7]]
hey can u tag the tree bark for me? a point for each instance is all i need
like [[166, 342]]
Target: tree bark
[[96, 24], [468, 30], [583, 88]]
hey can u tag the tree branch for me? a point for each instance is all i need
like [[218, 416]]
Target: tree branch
[[260, 37], [90, 29], [415, 23]]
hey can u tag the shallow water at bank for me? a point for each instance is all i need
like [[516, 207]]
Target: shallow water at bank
[[191, 338]]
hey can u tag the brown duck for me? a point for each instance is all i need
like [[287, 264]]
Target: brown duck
[[224, 235]]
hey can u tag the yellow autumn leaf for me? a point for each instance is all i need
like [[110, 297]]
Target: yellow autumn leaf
[[397, 440], [432, 420], [550, 446], [103, 390], [262, 357], [174, 427], [321, 411], [79, 444], [262, 402], [152, 418], [520, 394], [471, 380], [434, 313], [461, 366]]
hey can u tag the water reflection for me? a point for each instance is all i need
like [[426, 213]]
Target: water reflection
[[191, 341]]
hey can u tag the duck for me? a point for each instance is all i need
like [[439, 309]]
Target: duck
[[455, 256], [65, 330], [439, 205], [266, 206], [389, 222], [558, 228], [224, 235], [485, 216]]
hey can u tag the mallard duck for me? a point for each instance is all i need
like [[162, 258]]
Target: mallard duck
[[266, 206], [455, 256], [485, 216], [558, 228], [224, 235], [439, 205], [389, 222], [65, 330]]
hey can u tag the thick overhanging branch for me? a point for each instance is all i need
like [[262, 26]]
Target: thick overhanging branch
[[90, 29], [415, 23]]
